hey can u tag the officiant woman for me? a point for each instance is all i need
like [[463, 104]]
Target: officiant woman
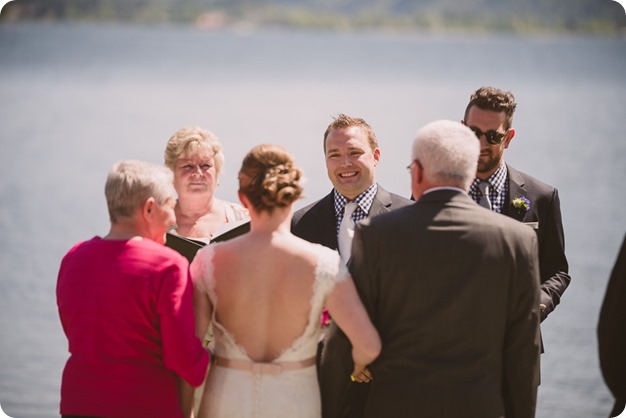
[[195, 156]]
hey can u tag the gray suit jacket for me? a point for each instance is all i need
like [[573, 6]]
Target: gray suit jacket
[[612, 334], [317, 223], [453, 290], [544, 216]]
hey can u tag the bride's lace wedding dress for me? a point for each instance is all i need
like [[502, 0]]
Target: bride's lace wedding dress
[[286, 387]]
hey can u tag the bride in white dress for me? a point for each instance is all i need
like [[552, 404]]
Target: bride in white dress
[[263, 294]]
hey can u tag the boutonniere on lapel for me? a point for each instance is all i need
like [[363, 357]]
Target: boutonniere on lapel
[[521, 204]]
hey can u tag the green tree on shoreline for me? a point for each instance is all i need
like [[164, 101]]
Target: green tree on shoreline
[[529, 16]]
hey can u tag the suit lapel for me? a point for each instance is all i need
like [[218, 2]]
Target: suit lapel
[[325, 213], [516, 189], [381, 203], [326, 219]]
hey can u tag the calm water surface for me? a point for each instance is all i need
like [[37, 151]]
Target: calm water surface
[[75, 99]]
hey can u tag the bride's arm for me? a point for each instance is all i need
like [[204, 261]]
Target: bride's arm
[[185, 393], [202, 314], [202, 310], [348, 312]]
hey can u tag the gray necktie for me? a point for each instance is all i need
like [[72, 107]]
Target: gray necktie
[[346, 231], [484, 199]]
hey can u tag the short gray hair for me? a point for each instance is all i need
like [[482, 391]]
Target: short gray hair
[[130, 183], [448, 152]]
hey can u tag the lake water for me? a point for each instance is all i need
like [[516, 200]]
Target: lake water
[[75, 99]]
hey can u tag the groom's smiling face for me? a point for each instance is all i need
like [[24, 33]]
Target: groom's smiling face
[[350, 161]]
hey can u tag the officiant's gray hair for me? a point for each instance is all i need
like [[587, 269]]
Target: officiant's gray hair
[[448, 152], [130, 183]]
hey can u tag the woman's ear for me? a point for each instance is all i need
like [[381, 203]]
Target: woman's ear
[[147, 210], [244, 200]]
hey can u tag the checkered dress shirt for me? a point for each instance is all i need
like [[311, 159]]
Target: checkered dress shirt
[[497, 191], [364, 202]]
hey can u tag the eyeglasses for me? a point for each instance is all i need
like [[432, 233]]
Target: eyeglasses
[[408, 167], [493, 137]]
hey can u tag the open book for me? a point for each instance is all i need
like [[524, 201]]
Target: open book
[[189, 246]]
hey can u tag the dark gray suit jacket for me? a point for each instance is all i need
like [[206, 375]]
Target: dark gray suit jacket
[[317, 222], [453, 290], [612, 333], [545, 217]]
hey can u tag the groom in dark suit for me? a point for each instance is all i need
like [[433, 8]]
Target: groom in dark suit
[[453, 290], [489, 114], [352, 154]]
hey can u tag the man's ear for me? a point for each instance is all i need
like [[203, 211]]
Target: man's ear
[[376, 156], [509, 137], [419, 173], [417, 177]]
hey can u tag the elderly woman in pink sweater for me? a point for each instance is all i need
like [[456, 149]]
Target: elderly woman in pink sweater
[[125, 303]]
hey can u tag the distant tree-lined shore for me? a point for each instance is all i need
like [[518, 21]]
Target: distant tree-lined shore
[[528, 16]]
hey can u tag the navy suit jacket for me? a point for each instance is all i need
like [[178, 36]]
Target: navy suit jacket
[[544, 215]]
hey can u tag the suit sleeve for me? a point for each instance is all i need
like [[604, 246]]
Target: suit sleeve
[[341, 397], [611, 331], [522, 340], [553, 263], [361, 272]]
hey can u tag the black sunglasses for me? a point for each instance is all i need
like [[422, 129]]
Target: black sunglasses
[[493, 137]]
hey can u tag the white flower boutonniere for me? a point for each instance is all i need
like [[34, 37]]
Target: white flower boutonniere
[[521, 204]]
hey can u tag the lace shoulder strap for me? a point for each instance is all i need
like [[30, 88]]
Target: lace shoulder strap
[[201, 270], [329, 271], [202, 274]]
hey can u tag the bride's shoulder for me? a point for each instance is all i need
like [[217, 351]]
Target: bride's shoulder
[[328, 263], [313, 251], [201, 267]]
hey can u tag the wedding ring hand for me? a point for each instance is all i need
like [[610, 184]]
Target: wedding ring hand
[[364, 376]]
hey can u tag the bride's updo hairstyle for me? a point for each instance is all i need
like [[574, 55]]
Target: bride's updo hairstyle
[[268, 178]]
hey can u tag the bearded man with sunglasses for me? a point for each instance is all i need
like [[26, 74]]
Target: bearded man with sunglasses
[[503, 189]]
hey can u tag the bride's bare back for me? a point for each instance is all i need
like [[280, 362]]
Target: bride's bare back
[[264, 288]]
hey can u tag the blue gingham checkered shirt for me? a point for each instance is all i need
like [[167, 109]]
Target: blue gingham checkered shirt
[[497, 191], [364, 201]]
